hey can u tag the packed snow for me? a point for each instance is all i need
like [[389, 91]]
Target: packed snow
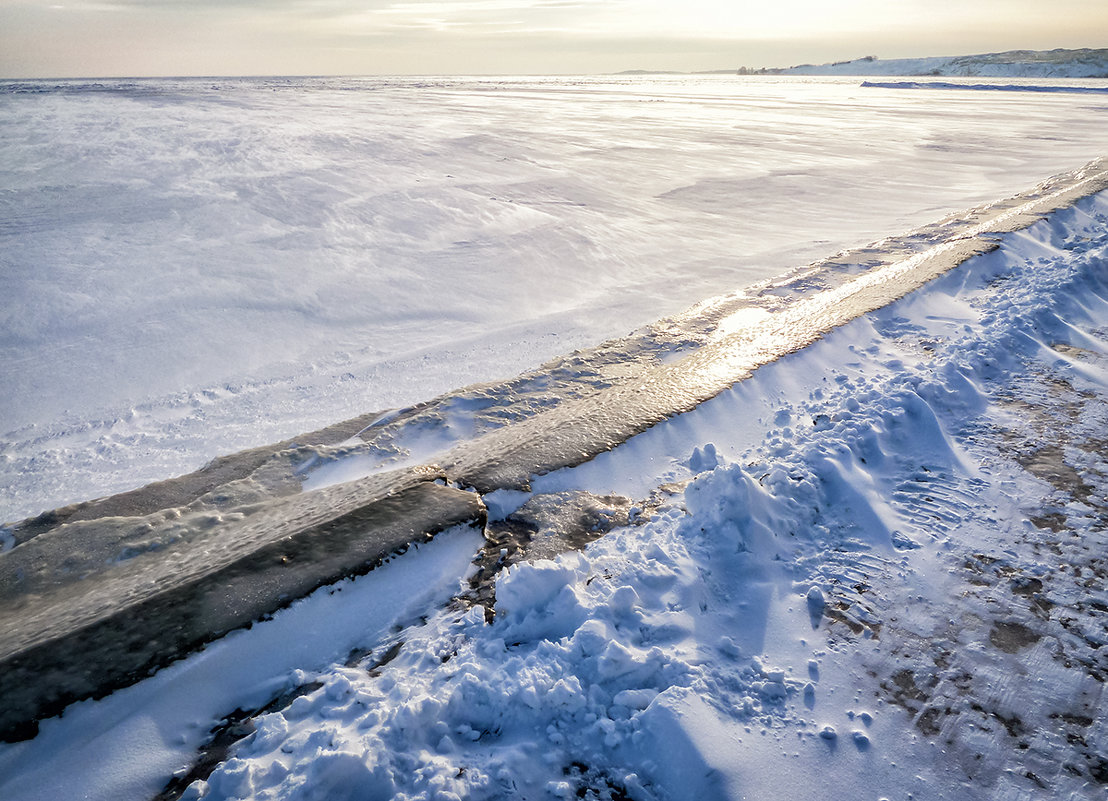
[[191, 267], [875, 569]]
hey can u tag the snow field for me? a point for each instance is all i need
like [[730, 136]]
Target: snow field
[[782, 626], [192, 267]]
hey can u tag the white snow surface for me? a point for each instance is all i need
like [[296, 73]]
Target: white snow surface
[[191, 267], [806, 616]]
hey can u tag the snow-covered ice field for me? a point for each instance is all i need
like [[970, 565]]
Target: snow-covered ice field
[[874, 569], [189, 267]]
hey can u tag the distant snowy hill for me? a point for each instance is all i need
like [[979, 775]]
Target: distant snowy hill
[[1084, 63]]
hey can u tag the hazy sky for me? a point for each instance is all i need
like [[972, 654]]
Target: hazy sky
[[58, 38]]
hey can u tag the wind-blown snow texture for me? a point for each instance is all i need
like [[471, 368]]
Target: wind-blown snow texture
[[193, 267], [874, 569]]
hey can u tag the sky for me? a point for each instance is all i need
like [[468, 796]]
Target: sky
[[104, 38]]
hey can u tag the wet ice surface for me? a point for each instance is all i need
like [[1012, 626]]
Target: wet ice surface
[[875, 568], [192, 267]]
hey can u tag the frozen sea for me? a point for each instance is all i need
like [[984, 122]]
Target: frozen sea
[[193, 266]]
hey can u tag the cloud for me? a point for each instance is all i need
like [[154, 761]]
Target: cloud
[[259, 5], [452, 8], [470, 18], [364, 17]]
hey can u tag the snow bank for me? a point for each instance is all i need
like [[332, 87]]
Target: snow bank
[[805, 618]]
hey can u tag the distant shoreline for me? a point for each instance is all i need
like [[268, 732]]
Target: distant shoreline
[[1058, 63]]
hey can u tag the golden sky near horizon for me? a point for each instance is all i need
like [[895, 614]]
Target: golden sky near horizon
[[81, 38]]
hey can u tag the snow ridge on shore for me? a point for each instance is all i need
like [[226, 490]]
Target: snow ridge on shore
[[877, 581], [874, 568]]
